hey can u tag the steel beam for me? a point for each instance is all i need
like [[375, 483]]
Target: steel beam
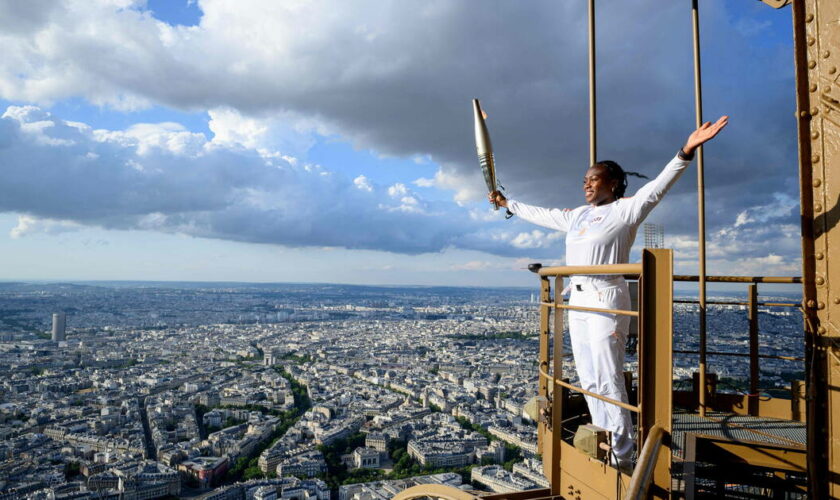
[[656, 359], [752, 317], [545, 332], [557, 390], [624, 269], [593, 116], [817, 57], [701, 203]]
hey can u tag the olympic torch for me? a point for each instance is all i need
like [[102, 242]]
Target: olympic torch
[[484, 149]]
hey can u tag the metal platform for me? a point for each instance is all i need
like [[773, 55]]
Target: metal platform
[[736, 427]]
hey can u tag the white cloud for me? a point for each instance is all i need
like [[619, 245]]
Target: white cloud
[[537, 239], [168, 136], [466, 188], [783, 205], [485, 215], [397, 190], [160, 177], [282, 133], [760, 241], [473, 265], [28, 225], [362, 183], [231, 128], [768, 265], [37, 124], [743, 218]]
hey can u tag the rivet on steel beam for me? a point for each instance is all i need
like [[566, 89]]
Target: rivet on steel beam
[[821, 329], [817, 208], [826, 54], [817, 183], [814, 134], [812, 87], [810, 40], [814, 111], [811, 304], [809, 18], [819, 280], [815, 158], [819, 255], [821, 305], [831, 70], [812, 64], [803, 114], [837, 300]]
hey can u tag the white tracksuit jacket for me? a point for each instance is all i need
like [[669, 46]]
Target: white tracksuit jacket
[[598, 235]]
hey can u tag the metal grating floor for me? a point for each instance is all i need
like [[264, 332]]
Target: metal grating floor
[[738, 427]]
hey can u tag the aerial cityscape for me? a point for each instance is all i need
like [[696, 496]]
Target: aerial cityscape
[[150, 390], [248, 252]]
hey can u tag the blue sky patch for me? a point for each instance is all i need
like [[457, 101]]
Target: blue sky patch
[[176, 12]]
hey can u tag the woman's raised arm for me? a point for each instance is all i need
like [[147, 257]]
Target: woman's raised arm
[[706, 132]]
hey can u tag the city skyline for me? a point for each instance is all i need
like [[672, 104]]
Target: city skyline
[[322, 388]]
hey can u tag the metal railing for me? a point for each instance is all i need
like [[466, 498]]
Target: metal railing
[[632, 271], [648, 457], [655, 372], [752, 304], [434, 491], [654, 404]]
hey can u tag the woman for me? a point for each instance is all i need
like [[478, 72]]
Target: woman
[[602, 232]]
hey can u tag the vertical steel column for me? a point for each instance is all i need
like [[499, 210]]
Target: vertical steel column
[[656, 364], [557, 391], [593, 132], [549, 434], [545, 332], [752, 315], [815, 50], [701, 205]]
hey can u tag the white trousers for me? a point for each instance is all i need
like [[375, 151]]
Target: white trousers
[[598, 341]]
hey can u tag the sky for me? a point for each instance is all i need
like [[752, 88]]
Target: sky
[[332, 141]]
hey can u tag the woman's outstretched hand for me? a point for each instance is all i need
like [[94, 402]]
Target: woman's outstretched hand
[[706, 132], [498, 198]]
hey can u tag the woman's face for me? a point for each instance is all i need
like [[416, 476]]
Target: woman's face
[[598, 187]]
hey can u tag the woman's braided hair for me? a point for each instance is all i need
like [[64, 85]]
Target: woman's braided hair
[[614, 171]]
